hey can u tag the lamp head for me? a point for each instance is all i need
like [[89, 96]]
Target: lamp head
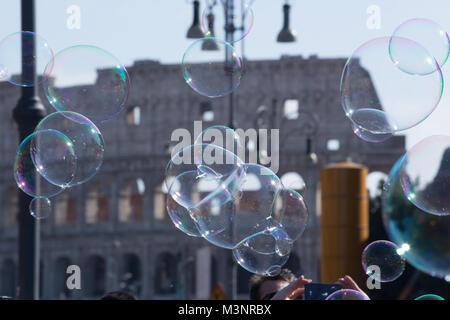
[[286, 34], [195, 31]]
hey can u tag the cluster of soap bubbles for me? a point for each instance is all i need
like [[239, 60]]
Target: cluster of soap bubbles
[[212, 193], [393, 83], [87, 86], [211, 66]]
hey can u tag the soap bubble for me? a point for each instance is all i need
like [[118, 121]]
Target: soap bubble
[[426, 33], [213, 22], [206, 71], [370, 136], [87, 141], [425, 175], [257, 253], [385, 255], [226, 223], [290, 211], [40, 208], [223, 137], [422, 237], [347, 294], [46, 153], [11, 58], [181, 217], [381, 98], [429, 297], [88, 80]]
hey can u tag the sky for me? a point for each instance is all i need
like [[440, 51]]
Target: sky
[[156, 29]]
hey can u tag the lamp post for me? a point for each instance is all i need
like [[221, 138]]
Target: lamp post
[[27, 113]]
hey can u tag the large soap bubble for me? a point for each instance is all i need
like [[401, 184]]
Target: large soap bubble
[[429, 35], [423, 237], [259, 254], [45, 164], [25, 49], [425, 175], [87, 141], [88, 80], [205, 70], [378, 96]]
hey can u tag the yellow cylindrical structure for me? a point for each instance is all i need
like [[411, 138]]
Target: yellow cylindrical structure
[[345, 221]]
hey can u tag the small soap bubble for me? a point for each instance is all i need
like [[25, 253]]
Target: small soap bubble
[[40, 208], [386, 256], [429, 35]]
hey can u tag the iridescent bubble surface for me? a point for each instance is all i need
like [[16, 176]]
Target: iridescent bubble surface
[[257, 253], [205, 70], [423, 237], [347, 294], [49, 156], [40, 208], [429, 35], [88, 80], [226, 223], [290, 211], [377, 95], [384, 255], [37, 52], [425, 175], [181, 218], [371, 136], [429, 297], [87, 141], [203, 168]]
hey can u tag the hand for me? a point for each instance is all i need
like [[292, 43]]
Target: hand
[[293, 290]]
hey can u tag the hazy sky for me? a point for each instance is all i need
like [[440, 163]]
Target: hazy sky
[[156, 29]]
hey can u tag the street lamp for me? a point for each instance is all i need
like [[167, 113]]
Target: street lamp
[[286, 34], [195, 31], [27, 114]]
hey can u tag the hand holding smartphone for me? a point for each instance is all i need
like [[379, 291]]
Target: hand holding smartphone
[[320, 291]]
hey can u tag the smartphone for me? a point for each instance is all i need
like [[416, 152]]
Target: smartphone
[[320, 291]]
